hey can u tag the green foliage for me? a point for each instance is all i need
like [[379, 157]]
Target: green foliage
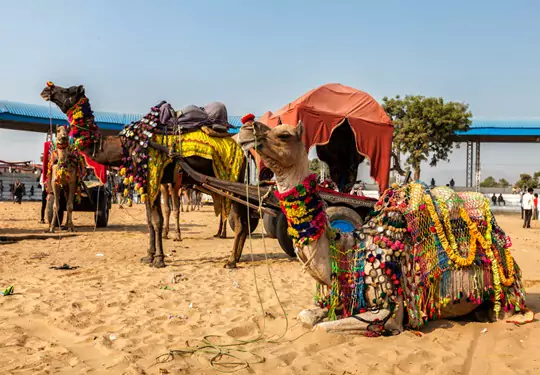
[[315, 167], [489, 182], [424, 127], [526, 181], [503, 183]]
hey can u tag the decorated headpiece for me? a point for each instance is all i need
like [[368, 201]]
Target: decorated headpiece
[[50, 84], [250, 117]]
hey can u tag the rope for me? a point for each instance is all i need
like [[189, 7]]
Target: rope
[[230, 351]]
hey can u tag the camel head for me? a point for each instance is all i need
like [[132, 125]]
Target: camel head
[[64, 98], [281, 148], [62, 135]]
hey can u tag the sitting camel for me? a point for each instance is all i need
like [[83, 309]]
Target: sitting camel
[[423, 255], [65, 172]]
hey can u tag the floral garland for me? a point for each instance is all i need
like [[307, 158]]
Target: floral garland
[[450, 246], [83, 127], [304, 210], [135, 141]]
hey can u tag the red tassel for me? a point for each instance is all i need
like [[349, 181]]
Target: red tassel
[[247, 118]]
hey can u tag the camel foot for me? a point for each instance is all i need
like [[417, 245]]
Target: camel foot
[[223, 236], [178, 239], [158, 262], [217, 235], [230, 265], [147, 259], [165, 235], [70, 229]]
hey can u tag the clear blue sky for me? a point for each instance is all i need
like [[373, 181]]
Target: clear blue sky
[[256, 56]]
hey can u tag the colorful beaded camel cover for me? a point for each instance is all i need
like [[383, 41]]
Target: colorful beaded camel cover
[[432, 247], [143, 166]]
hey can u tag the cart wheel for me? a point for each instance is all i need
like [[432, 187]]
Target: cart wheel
[[254, 222], [270, 222], [101, 216], [282, 236], [344, 218]]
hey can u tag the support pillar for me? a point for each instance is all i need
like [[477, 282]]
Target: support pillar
[[469, 166], [477, 166]]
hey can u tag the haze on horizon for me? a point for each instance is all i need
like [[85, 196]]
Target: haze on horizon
[[258, 56]]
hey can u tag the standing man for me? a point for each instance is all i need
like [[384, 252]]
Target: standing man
[[527, 207], [43, 184]]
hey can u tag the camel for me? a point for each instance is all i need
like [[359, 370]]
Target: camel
[[375, 298], [64, 175], [108, 150]]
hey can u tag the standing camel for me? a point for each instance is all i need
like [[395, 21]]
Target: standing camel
[[64, 176], [391, 269], [108, 150]]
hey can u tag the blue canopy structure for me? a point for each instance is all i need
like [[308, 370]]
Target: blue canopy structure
[[36, 118]]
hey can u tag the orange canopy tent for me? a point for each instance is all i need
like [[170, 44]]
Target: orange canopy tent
[[326, 108]]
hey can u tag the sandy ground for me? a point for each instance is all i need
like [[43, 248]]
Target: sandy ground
[[113, 315]]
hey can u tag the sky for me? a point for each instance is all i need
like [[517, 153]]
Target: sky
[[259, 55]]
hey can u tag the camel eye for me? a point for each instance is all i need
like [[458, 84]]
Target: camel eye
[[284, 136]]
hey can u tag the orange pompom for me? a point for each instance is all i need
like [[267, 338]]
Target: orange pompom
[[50, 84]]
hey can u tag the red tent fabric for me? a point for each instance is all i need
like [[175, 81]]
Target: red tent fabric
[[326, 107]]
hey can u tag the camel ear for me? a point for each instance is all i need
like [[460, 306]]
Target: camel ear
[[300, 129], [80, 90]]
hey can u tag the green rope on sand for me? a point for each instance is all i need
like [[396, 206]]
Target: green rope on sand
[[8, 291]]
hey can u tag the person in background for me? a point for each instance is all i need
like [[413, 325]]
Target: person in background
[[494, 199], [527, 206], [18, 192], [535, 207], [43, 185], [501, 200], [432, 185], [452, 183], [521, 203]]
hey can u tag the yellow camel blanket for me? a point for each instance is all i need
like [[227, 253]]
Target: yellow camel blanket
[[226, 155]]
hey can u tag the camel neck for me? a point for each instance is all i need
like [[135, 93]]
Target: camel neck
[[83, 127], [304, 209]]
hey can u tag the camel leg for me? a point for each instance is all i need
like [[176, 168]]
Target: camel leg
[[56, 208], [149, 258], [176, 213], [223, 218], [157, 224], [181, 199], [164, 188], [354, 324], [220, 228], [239, 215], [69, 207], [185, 193]]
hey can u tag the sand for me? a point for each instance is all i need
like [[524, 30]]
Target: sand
[[113, 315]]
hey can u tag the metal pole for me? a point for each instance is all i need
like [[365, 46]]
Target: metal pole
[[469, 166], [478, 166]]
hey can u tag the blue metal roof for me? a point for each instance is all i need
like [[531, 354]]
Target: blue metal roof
[[115, 121], [106, 120]]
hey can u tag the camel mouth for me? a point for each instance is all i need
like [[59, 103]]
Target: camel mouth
[[46, 95], [247, 145]]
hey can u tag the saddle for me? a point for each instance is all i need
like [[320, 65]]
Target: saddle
[[212, 119]]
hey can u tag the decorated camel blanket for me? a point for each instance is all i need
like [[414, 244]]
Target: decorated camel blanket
[[431, 247], [143, 165]]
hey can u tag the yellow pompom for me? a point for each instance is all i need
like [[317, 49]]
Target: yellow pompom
[[123, 172], [126, 181], [126, 192], [130, 179], [143, 198]]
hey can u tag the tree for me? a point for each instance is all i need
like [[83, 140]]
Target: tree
[[526, 181], [489, 182], [315, 166], [503, 183], [424, 127]]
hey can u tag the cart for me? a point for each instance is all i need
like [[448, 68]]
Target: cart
[[96, 197], [345, 211]]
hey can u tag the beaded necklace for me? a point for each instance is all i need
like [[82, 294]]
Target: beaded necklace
[[83, 127], [304, 210]]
